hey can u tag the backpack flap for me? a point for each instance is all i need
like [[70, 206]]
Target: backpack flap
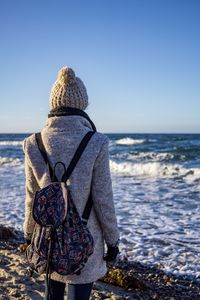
[[50, 204]]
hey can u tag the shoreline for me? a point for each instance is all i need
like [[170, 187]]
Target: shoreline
[[124, 280]]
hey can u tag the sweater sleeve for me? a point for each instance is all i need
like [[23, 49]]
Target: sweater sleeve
[[102, 194], [31, 186]]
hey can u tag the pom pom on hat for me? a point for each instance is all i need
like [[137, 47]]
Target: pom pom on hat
[[68, 90], [66, 76]]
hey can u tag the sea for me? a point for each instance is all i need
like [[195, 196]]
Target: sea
[[156, 187]]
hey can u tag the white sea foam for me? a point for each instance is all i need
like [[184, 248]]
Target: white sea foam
[[159, 223], [129, 141], [10, 161], [11, 143], [153, 169], [12, 195]]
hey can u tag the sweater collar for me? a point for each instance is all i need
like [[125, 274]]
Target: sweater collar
[[71, 123], [70, 111]]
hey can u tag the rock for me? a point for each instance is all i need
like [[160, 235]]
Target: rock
[[6, 233]]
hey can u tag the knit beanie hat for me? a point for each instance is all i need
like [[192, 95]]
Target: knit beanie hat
[[68, 91]]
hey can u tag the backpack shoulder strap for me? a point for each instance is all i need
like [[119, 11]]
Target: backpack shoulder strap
[[41, 147], [67, 174], [77, 155]]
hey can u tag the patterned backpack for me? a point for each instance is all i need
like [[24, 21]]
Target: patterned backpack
[[61, 241]]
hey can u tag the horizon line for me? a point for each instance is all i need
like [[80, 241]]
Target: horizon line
[[153, 132]]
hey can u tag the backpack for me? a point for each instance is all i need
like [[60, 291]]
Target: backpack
[[60, 241]]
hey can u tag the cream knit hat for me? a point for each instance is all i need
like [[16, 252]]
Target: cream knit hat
[[68, 90]]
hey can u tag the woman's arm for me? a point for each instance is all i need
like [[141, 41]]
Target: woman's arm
[[31, 186], [102, 194]]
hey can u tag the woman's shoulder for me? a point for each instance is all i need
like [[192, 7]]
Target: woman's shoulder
[[100, 140], [100, 144], [101, 137], [28, 143]]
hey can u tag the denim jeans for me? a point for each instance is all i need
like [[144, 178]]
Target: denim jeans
[[75, 291]]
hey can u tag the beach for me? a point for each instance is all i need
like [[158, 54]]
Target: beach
[[124, 279]]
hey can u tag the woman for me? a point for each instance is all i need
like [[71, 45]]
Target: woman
[[65, 127]]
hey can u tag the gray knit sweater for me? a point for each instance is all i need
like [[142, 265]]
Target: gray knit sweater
[[61, 136]]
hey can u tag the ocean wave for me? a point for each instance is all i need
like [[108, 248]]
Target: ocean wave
[[129, 141], [10, 161], [152, 156], [153, 169], [11, 143], [157, 156]]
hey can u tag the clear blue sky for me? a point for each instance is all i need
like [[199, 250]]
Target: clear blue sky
[[139, 59]]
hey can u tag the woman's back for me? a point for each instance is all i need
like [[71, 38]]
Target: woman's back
[[61, 136]]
